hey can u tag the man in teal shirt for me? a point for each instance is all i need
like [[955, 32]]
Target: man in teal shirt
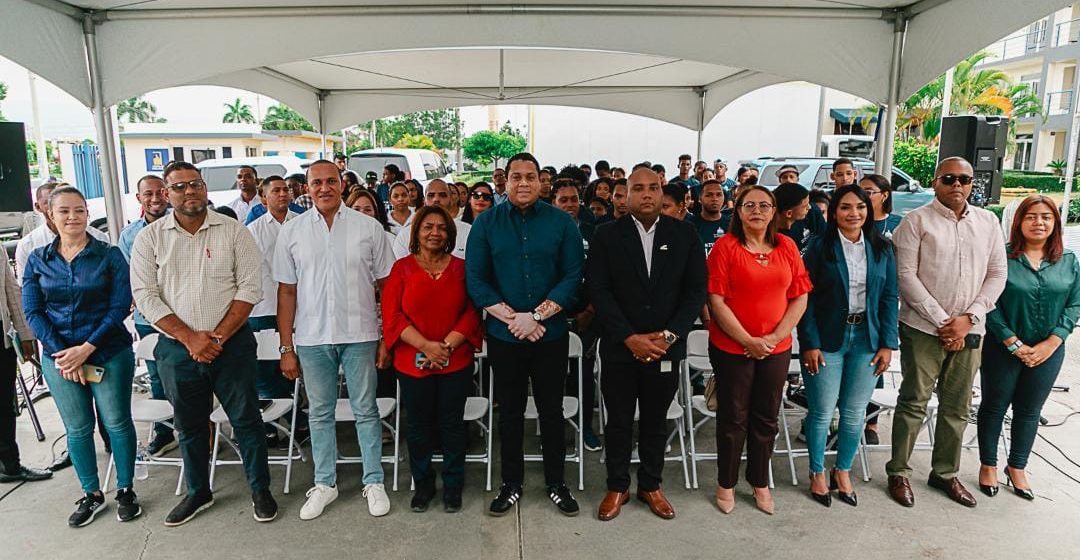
[[524, 268]]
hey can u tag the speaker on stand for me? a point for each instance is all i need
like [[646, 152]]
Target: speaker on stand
[[981, 141]]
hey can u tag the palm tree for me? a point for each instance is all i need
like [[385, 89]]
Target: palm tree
[[137, 110], [282, 117], [238, 112]]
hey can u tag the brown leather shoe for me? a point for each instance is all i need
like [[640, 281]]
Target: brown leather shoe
[[953, 489], [900, 490], [657, 503], [612, 505]]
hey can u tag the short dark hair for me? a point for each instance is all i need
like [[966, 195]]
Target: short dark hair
[[251, 167], [150, 177], [584, 165], [178, 165], [550, 169], [574, 173], [842, 161], [640, 165], [321, 161], [226, 211], [602, 165], [380, 210], [870, 233], [883, 185], [297, 177], [392, 168], [423, 212], [339, 156], [677, 191], [685, 157], [789, 195], [818, 195], [523, 156], [266, 182], [45, 187], [711, 182], [658, 168], [736, 228]]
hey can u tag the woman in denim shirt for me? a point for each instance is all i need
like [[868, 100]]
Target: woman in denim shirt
[[76, 295], [847, 334]]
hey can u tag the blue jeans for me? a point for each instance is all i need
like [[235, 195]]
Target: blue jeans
[[1006, 380], [157, 390], [75, 403], [847, 379], [269, 383], [320, 365]]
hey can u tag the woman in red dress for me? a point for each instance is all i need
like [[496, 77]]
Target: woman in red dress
[[431, 329], [757, 292]]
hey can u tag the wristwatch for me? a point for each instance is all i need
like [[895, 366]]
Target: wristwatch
[[285, 349], [974, 318], [670, 337], [1012, 348], [536, 316]]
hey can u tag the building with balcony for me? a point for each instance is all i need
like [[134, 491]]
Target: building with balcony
[[1044, 55]]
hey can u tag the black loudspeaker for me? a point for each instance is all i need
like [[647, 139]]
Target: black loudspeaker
[[14, 169], [980, 140]]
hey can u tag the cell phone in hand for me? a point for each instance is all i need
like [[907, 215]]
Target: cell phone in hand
[[420, 359], [92, 374]]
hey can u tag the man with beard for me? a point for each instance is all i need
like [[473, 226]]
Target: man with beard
[[247, 180]]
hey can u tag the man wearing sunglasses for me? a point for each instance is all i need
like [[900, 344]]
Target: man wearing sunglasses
[[952, 268], [195, 276]]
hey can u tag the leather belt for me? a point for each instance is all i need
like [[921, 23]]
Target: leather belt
[[856, 319]]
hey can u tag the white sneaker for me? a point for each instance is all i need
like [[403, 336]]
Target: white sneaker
[[318, 498], [378, 503]]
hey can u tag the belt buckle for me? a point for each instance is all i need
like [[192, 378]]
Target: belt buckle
[[855, 319]]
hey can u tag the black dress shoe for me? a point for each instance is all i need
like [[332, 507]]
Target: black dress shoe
[[451, 499], [425, 492], [848, 498], [1024, 493], [509, 494], [25, 474], [62, 462]]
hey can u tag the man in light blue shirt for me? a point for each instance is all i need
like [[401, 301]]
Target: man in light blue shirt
[[150, 192]]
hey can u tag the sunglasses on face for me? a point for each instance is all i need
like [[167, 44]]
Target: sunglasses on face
[[949, 179], [482, 196], [182, 186]]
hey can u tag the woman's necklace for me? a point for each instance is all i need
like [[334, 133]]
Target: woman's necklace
[[759, 257], [434, 268]]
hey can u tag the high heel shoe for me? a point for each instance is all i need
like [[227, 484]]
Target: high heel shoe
[[1024, 493], [725, 504], [988, 490], [848, 498], [765, 504], [823, 499]]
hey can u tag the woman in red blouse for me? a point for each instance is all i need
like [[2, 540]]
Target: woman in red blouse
[[757, 293], [431, 329]]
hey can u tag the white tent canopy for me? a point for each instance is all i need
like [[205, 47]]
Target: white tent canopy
[[339, 62]]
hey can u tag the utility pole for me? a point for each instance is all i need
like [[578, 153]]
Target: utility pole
[[39, 135]]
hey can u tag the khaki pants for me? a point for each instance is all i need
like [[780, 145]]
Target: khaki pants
[[923, 363]]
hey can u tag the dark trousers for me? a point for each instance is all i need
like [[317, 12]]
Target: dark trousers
[[191, 386], [516, 364], [1007, 381], [434, 417], [9, 447], [626, 386], [748, 394]]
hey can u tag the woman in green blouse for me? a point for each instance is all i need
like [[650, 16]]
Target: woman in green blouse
[[1025, 348]]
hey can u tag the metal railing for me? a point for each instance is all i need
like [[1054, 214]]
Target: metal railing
[[1067, 32], [1019, 45], [1059, 102]]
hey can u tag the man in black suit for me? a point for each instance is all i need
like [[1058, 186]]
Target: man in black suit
[[646, 276]]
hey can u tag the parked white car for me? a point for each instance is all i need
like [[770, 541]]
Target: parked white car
[[220, 177], [422, 165]]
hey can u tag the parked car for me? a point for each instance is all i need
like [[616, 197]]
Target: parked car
[[814, 173], [220, 177], [422, 165]]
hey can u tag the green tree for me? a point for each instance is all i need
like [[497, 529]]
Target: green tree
[[418, 141], [238, 112], [282, 117], [486, 147], [917, 159], [3, 96], [443, 126], [137, 110]]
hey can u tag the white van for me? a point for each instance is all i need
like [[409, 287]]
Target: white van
[[220, 177], [422, 165]]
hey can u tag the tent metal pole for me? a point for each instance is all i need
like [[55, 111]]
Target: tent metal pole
[[900, 28], [321, 99], [110, 181], [700, 120]]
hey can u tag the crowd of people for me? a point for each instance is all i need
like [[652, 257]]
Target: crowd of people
[[392, 281]]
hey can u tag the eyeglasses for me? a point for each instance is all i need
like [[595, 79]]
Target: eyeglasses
[[871, 192], [949, 179], [196, 185], [482, 196], [749, 207]]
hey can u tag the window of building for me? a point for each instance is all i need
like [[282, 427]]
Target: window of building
[[226, 152], [251, 151], [178, 154], [1022, 157], [202, 155]]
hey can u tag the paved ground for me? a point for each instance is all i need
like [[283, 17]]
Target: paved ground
[[32, 516]]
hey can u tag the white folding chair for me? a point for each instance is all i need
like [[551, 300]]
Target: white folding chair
[[571, 409], [268, 343], [697, 365], [676, 413], [387, 407], [150, 411]]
